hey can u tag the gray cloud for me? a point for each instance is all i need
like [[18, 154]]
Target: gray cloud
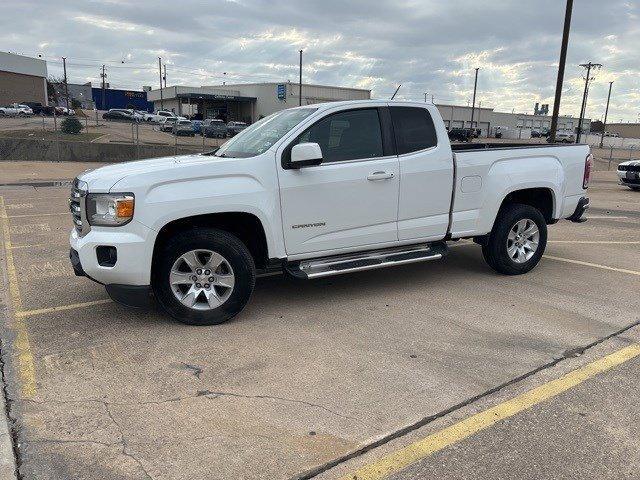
[[426, 45]]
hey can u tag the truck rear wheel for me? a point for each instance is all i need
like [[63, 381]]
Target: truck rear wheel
[[203, 276], [517, 241]]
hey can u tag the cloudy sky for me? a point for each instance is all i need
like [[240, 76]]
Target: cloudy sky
[[427, 46]]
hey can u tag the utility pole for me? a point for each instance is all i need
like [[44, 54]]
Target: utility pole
[[589, 66], [606, 112], [66, 85], [300, 80], [425, 97], [104, 76], [432, 99], [164, 76], [563, 60], [473, 103], [160, 71]]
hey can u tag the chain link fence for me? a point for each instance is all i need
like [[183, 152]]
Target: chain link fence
[[39, 137]]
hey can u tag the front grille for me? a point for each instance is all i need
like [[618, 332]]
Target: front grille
[[76, 205], [629, 168]]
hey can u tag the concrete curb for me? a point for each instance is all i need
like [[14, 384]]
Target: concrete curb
[[7, 461]]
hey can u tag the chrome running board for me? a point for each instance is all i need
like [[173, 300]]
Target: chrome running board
[[338, 265]]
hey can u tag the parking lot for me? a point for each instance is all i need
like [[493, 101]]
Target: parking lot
[[325, 377]]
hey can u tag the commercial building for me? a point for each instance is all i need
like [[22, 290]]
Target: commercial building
[[22, 79], [624, 130], [511, 125], [117, 98], [246, 101], [79, 95]]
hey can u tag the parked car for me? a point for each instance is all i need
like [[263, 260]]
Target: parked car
[[234, 128], [564, 137], [39, 109], [197, 126], [214, 128], [460, 134], [156, 117], [183, 128], [16, 110], [197, 229], [166, 124], [118, 114], [629, 174]]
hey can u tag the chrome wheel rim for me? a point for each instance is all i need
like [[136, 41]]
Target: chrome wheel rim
[[202, 279], [523, 240]]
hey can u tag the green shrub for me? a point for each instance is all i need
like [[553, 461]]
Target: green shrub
[[71, 125]]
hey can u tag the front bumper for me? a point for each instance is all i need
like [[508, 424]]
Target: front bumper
[[629, 178], [128, 280]]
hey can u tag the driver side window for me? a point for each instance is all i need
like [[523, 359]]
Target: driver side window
[[349, 135]]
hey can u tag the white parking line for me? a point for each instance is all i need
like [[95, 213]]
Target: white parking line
[[595, 265], [596, 242]]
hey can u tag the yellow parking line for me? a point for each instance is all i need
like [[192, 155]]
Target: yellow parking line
[[595, 265], [439, 440], [26, 368], [61, 308]]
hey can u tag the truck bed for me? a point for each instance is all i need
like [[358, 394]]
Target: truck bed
[[463, 147]]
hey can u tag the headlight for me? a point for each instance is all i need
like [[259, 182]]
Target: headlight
[[110, 209]]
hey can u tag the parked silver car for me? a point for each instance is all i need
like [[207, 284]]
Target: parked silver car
[[183, 128]]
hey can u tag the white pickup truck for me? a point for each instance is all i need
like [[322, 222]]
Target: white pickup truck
[[316, 190]]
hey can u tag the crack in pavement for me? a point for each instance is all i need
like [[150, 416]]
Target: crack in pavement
[[200, 393], [210, 394], [568, 354], [123, 441]]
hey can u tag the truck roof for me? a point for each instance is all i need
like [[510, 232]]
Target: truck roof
[[325, 105]]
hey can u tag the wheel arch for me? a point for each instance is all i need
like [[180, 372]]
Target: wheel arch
[[247, 227]]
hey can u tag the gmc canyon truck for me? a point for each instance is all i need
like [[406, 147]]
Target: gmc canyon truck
[[316, 191]]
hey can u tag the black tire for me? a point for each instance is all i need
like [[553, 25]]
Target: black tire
[[495, 250], [227, 245], [637, 189]]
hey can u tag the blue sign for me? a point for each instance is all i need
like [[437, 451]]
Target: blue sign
[[281, 91]]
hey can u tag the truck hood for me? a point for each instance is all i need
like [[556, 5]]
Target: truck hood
[[104, 178]]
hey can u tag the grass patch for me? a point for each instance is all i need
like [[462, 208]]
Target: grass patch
[[49, 135]]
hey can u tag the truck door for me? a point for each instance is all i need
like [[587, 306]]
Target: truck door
[[426, 174], [348, 201]]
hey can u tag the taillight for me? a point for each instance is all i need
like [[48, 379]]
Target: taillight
[[587, 171]]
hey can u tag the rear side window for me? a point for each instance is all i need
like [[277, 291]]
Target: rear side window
[[413, 128], [348, 135]]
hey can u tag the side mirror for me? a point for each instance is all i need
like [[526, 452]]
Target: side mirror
[[305, 155]]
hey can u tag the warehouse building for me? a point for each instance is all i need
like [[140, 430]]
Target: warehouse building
[[246, 102], [510, 125], [22, 79], [118, 98], [624, 130]]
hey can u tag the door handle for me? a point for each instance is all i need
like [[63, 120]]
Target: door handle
[[380, 176]]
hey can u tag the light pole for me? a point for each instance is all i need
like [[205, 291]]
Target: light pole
[[300, 80], [473, 104], [560, 79], [160, 72], [606, 112], [589, 66]]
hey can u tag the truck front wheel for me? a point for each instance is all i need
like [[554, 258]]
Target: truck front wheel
[[517, 241], [203, 276]]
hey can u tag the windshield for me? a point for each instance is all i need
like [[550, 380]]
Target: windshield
[[259, 137]]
